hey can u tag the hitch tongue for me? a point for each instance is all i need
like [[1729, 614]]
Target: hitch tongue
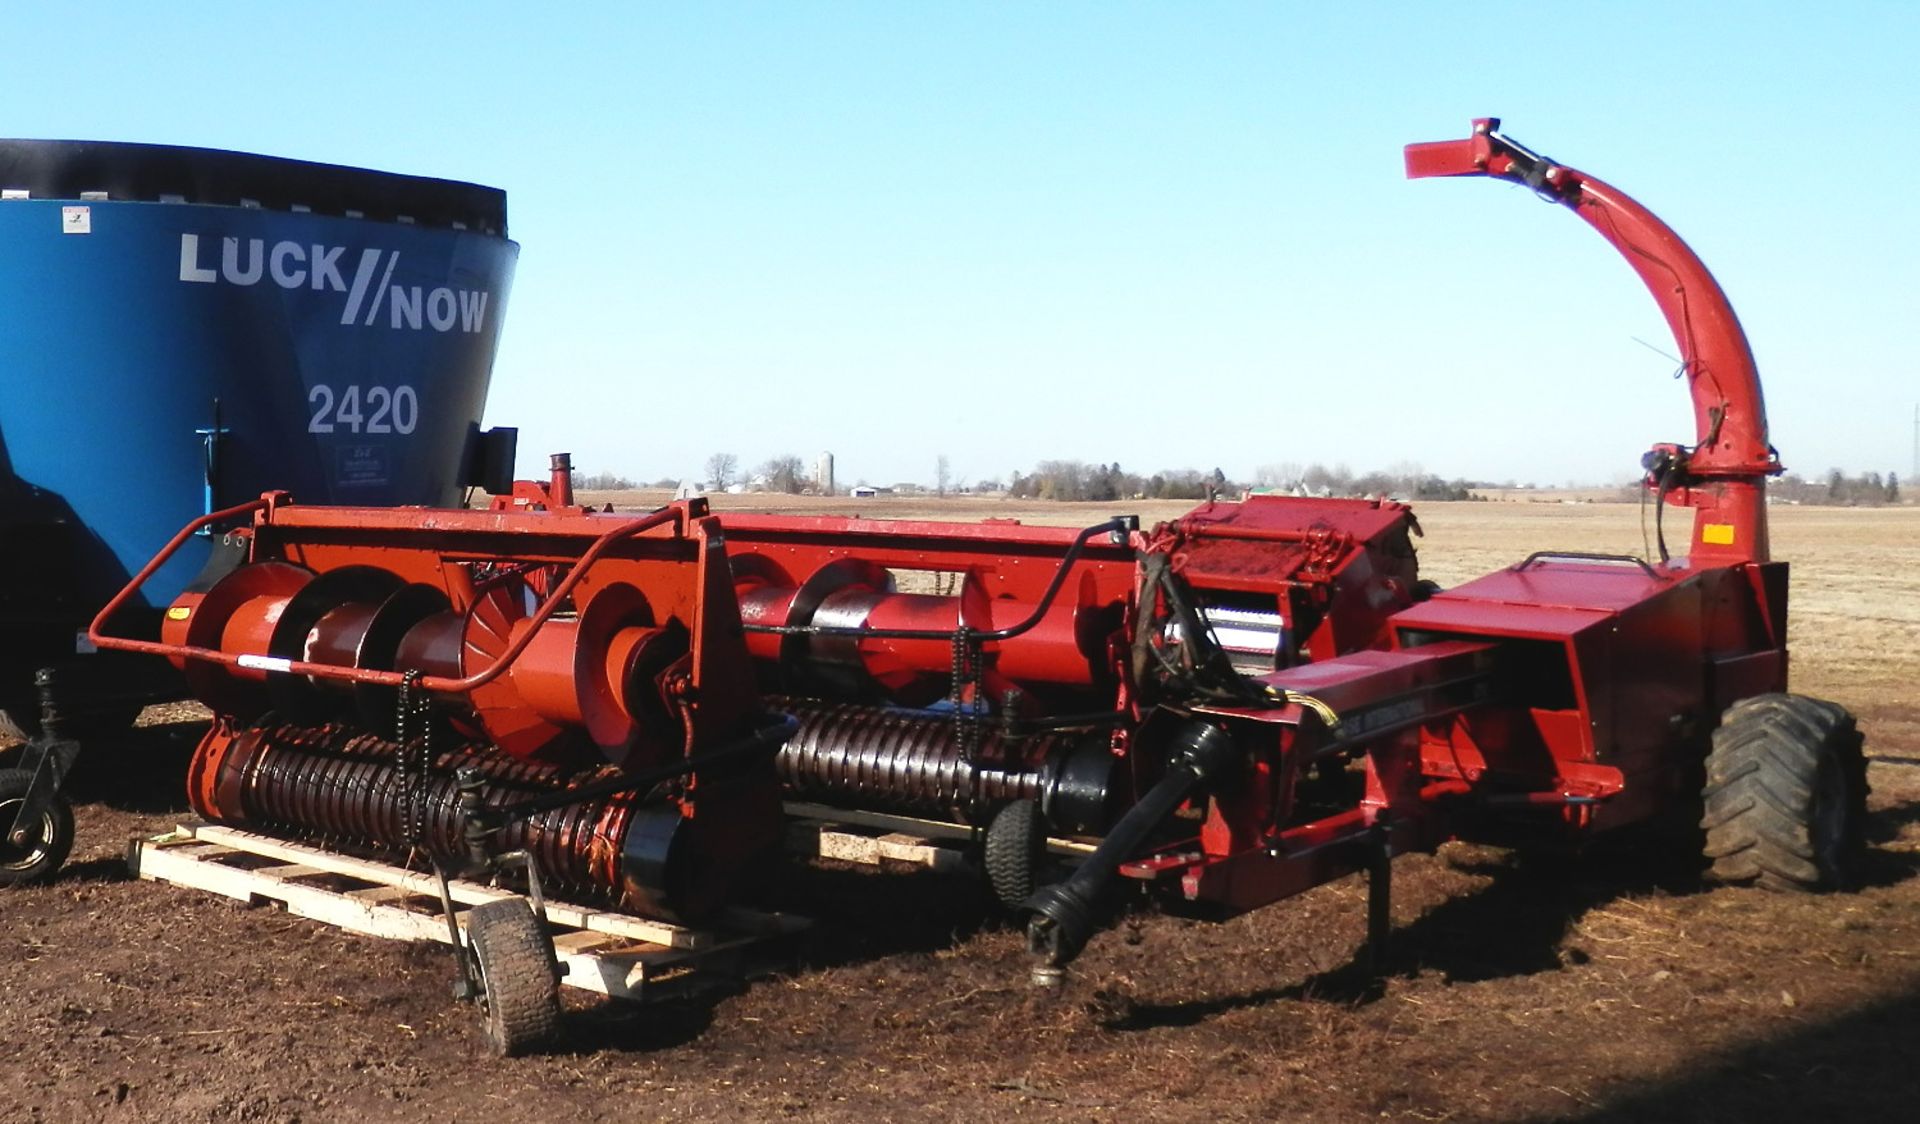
[[1066, 914]]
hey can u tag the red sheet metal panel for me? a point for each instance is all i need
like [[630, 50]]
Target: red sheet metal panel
[[1574, 585]]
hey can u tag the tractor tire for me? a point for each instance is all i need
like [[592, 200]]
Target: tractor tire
[[519, 978], [1016, 845], [1786, 795], [39, 858]]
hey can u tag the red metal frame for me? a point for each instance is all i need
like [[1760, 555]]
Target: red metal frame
[[674, 557], [364, 520]]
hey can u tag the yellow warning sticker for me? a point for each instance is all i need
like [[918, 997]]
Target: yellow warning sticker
[[179, 613], [1717, 534]]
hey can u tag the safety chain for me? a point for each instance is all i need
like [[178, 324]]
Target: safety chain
[[966, 723], [413, 757]]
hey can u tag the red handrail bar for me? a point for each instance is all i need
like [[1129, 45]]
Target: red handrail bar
[[120, 599], [675, 513]]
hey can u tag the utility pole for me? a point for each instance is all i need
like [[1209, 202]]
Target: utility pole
[[1915, 475]]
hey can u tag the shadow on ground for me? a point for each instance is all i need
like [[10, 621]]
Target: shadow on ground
[[1515, 926], [860, 915], [141, 770], [1857, 1067]]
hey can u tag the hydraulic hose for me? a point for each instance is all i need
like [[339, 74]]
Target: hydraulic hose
[[1066, 914]]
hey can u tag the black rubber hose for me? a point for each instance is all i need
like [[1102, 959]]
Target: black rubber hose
[[1066, 914]]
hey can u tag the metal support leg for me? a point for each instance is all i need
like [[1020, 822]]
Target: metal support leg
[[467, 984], [480, 827], [49, 758], [1379, 847]]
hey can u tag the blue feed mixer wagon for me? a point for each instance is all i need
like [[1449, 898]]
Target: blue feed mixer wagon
[[182, 329]]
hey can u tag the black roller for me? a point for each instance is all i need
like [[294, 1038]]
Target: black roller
[[343, 787], [913, 763]]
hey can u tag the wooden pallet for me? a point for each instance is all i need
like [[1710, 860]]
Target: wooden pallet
[[876, 839], [610, 953]]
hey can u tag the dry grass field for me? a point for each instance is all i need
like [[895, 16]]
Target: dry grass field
[[1609, 988]]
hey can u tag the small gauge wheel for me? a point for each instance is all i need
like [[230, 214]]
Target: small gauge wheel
[[519, 978], [35, 856], [1016, 845]]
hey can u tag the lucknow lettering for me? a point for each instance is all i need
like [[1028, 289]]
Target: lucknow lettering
[[444, 307], [297, 265]]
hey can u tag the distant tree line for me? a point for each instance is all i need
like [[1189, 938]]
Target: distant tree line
[[786, 474], [1077, 480], [1869, 489], [1836, 488], [603, 482], [1407, 481], [1099, 483]]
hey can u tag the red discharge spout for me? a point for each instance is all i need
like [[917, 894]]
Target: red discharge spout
[[560, 479], [1723, 477]]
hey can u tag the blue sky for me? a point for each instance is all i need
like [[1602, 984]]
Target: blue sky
[[1167, 235]]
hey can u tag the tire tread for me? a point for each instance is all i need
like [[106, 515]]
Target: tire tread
[[1762, 776], [1015, 845], [13, 785], [522, 1002]]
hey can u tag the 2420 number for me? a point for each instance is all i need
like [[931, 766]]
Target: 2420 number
[[395, 410]]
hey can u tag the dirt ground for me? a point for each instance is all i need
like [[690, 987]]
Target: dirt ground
[[1613, 987]]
